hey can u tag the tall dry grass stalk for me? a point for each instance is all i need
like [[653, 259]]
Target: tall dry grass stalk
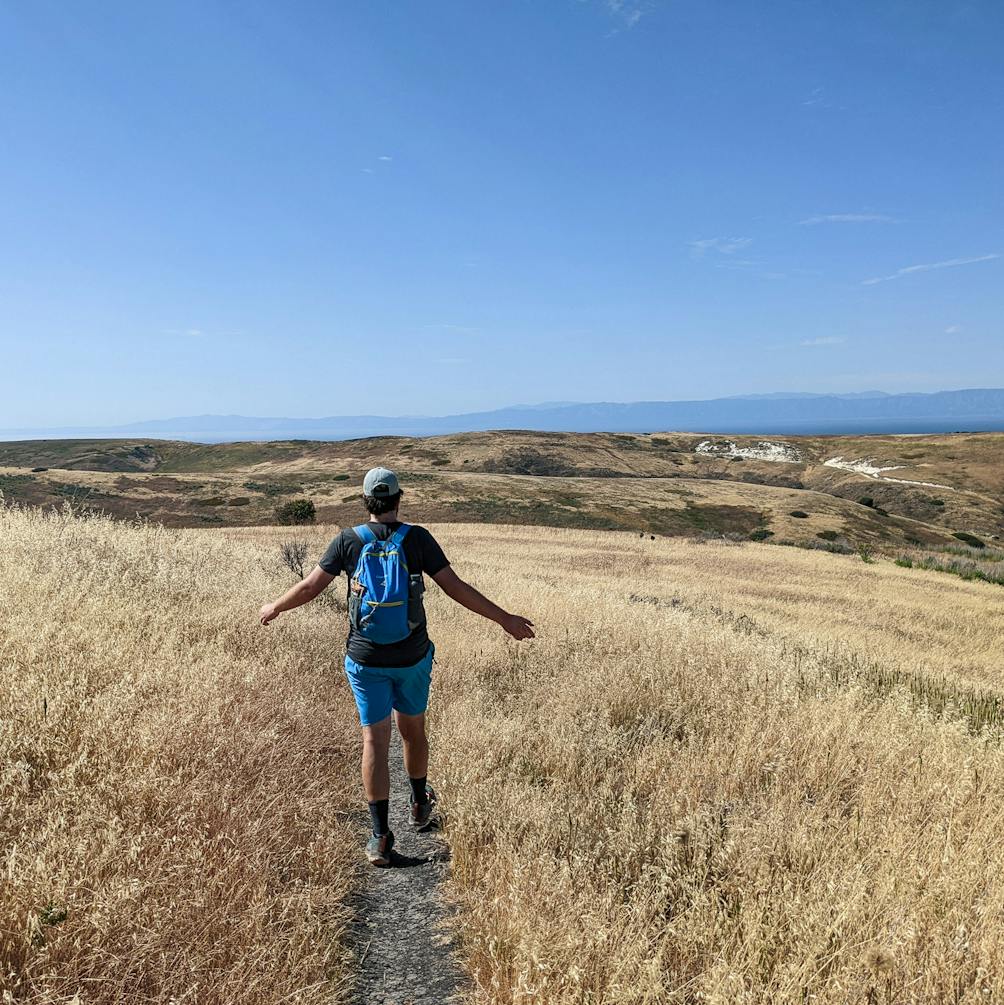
[[678, 801], [174, 779]]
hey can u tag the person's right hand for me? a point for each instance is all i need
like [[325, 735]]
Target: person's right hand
[[518, 627]]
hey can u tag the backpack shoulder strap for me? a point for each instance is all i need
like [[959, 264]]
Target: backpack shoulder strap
[[399, 535], [364, 534]]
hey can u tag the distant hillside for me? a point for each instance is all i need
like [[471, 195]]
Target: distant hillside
[[882, 491], [784, 414]]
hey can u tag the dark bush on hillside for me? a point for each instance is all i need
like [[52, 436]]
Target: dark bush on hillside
[[971, 539], [211, 501], [828, 535], [799, 514], [867, 501], [760, 534], [273, 488], [293, 555], [239, 501], [295, 513], [37, 470], [527, 461], [937, 502], [780, 480]]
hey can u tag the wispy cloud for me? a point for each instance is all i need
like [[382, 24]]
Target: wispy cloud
[[949, 263], [626, 11], [816, 98], [384, 157], [953, 329], [199, 333], [809, 343], [722, 245], [811, 221]]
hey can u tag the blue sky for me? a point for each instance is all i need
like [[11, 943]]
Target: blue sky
[[311, 209]]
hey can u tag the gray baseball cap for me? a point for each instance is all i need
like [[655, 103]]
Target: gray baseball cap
[[380, 482]]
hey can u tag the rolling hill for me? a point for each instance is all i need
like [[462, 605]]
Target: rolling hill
[[879, 491]]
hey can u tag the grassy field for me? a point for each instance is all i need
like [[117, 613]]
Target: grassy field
[[702, 784], [724, 772], [175, 782]]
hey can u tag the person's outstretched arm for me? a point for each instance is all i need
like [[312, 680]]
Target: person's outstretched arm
[[304, 591], [465, 595]]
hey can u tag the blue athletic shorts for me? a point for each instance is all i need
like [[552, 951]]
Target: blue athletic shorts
[[379, 689]]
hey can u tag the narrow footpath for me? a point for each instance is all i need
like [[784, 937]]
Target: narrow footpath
[[405, 953]]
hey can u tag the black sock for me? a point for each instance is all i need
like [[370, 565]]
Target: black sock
[[418, 792], [379, 811]]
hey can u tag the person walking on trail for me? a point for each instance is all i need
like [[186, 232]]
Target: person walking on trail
[[389, 654]]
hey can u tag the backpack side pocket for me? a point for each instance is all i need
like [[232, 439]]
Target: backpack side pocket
[[416, 605], [355, 603]]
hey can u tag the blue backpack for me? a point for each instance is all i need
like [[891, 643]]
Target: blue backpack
[[379, 588]]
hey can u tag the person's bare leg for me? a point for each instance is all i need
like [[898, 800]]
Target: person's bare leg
[[376, 774], [414, 742]]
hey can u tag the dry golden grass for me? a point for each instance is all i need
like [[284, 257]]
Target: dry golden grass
[[659, 803], [174, 779], [691, 788]]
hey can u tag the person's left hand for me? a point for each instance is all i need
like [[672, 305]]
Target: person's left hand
[[518, 626], [268, 613]]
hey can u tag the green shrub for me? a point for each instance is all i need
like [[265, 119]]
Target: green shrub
[[866, 554], [760, 534], [828, 535], [273, 488], [905, 561], [295, 513], [937, 502], [867, 501], [799, 514], [73, 491], [971, 539], [11, 483]]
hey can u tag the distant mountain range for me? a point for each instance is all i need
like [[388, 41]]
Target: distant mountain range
[[780, 413]]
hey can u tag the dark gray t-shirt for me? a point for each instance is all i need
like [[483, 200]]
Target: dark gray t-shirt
[[422, 553]]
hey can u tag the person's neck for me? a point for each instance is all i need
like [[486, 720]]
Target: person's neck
[[384, 517]]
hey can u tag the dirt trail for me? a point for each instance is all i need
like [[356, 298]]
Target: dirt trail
[[405, 952]]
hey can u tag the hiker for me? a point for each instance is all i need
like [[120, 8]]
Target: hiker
[[389, 655]]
